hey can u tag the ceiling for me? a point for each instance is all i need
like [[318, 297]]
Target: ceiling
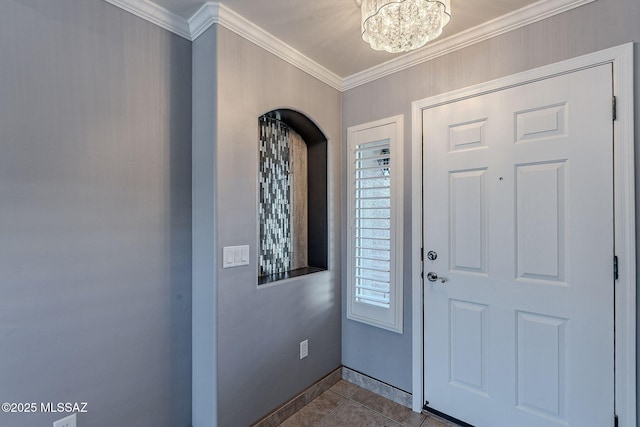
[[328, 31]]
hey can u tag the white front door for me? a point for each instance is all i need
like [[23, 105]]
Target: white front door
[[518, 211]]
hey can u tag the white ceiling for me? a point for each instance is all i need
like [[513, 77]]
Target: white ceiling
[[328, 31]]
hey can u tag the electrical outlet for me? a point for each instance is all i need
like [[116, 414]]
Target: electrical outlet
[[69, 421], [304, 349]]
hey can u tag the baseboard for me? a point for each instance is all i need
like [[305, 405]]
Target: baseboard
[[376, 386], [278, 415]]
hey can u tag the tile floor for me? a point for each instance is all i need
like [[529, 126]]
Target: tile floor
[[347, 405]]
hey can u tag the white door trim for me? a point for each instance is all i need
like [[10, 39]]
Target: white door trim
[[624, 205]]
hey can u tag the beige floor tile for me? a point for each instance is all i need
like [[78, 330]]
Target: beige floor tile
[[345, 388], [352, 414], [315, 411], [386, 407]]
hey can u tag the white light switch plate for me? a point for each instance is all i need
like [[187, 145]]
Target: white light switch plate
[[235, 256]]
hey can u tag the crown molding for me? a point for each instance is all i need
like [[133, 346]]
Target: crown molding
[[216, 13], [155, 14], [205, 17], [522, 17]]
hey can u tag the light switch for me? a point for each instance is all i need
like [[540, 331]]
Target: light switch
[[235, 256]]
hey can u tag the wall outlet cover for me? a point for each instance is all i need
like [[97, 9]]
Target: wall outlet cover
[[69, 421], [304, 349]]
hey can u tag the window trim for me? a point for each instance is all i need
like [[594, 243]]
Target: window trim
[[391, 128]]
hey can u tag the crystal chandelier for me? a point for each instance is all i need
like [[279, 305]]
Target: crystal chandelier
[[403, 25]]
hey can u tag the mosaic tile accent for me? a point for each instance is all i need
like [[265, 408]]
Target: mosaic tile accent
[[275, 198]]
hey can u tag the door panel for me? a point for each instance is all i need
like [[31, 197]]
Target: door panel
[[541, 376], [518, 204], [468, 352], [468, 226], [540, 220]]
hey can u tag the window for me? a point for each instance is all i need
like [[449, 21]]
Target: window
[[374, 245]]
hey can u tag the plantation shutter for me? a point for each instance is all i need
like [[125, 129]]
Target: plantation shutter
[[374, 245], [372, 237]]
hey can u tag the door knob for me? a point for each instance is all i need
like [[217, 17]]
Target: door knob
[[432, 276]]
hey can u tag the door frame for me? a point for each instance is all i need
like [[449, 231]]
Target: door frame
[[624, 214]]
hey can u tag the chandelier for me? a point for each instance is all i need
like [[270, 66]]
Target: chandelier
[[403, 25]]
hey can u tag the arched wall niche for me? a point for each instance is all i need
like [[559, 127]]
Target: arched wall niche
[[293, 219]]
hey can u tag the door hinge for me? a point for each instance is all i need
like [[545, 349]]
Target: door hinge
[[615, 421], [421, 254], [615, 267], [614, 106]]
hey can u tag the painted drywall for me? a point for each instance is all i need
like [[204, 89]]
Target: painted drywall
[[204, 305], [259, 329], [596, 26], [95, 215]]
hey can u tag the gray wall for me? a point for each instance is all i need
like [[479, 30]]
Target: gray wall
[[259, 330], [596, 26], [204, 320], [246, 339], [95, 214]]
